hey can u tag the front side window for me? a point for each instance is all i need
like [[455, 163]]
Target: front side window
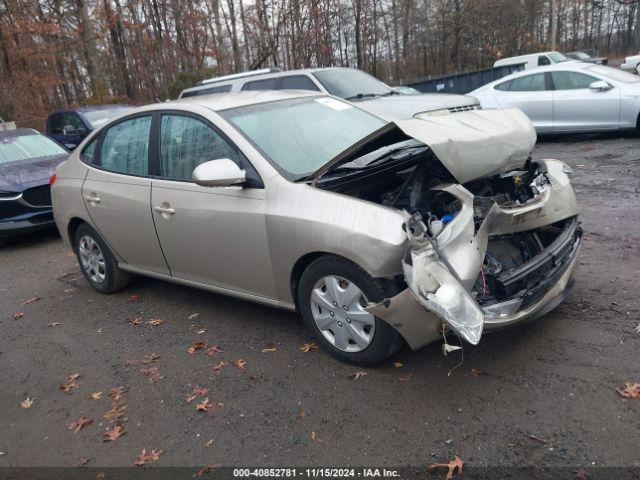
[[299, 136], [543, 60], [66, 123], [25, 147], [571, 80], [186, 142], [528, 83], [125, 148]]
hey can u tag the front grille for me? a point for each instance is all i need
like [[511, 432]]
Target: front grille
[[464, 108], [38, 196]]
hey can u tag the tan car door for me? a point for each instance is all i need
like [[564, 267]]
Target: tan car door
[[117, 194], [211, 235]]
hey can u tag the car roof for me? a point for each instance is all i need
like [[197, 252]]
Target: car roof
[[18, 132], [573, 65], [223, 101], [91, 108]]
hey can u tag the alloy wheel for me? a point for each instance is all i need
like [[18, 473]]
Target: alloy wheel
[[92, 259], [338, 308]]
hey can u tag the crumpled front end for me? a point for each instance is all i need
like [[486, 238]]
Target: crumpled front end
[[503, 251]]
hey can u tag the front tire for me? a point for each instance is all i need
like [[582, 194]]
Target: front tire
[[332, 295], [97, 262]]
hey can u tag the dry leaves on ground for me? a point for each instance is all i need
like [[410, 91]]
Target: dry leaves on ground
[[18, 315], [197, 392], [95, 395], [205, 469], [209, 443], [53, 324], [453, 465], [135, 321], [630, 390], [115, 413], [27, 402], [307, 347], [79, 424], [314, 437], [193, 316], [150, 456], [268, 348], [117, 393], [71, 383], [112, 434], [539, 439], [151, 358], [219, 365], [206, 405], [30, 300], [135, 297], [154, 322], [240, 362], [195, 347], [213, 349], [398, 365], [153, 374], [357, 375]]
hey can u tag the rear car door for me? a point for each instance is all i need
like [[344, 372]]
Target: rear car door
[[578, 107], [210, 235], [531, 94], [117, 192]]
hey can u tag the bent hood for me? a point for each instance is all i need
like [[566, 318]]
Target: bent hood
[[400, 107], [471, 145]]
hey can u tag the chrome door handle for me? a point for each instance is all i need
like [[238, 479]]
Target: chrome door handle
[[92, 199], [164, 210]]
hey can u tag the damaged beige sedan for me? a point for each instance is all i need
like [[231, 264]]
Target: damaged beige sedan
[[377, 233]]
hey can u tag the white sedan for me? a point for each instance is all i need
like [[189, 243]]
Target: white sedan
[[632, 63], [569, 97]]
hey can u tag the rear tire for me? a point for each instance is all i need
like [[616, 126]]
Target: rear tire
[[347, 331], [97, 262]]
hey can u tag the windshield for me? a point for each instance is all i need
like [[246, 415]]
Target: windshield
[[299, 136], [351, 84], [615, 74], [557, 57], [98, 117], [25, 147], [581, 55]]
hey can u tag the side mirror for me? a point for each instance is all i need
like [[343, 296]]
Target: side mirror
[[600, 86], [218, 173]]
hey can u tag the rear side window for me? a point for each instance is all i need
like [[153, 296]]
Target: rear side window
[[88, 153], [503, 86], [186, 142], [297, 82], [207, 91], [268, 84], [571, 80], [125, 147], [528, 83]]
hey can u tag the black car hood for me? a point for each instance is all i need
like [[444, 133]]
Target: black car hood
[[22, 174]]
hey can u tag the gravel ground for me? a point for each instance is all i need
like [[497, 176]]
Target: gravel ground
[[540, 394]]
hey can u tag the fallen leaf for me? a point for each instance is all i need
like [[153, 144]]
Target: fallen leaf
[[18, 315], [134, 298], [206, 405], [146, 457], [205, 469], [117, 393], [398, 365], [269, 347], [135, 321], [538, 439], [454, 464], [209, 443], [31, 300], [195, 347], [240, 363], [152, 373], [314, 437], [71, 383], [476, 372], [115, 413], [302, 414], [193, 316], [219, 365], [307, 347], [53, 324], [112, 434], [95, 396], [197, 392], [154, 322], [357, 375], [27, 402], [630, 390], [213, 349], [79, 424], [151, 358]]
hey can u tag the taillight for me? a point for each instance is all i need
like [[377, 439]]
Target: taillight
[[52, 180]]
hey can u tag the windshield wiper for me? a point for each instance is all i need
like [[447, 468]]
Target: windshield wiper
[[362, 95], [408, 151]]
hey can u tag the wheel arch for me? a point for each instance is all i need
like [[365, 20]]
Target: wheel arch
[[72, 228]]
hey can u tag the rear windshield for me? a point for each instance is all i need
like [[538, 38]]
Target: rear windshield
[[557, 57], [25, 147]]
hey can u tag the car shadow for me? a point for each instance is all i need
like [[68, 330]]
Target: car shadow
[[29, 239], [583, 137]]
